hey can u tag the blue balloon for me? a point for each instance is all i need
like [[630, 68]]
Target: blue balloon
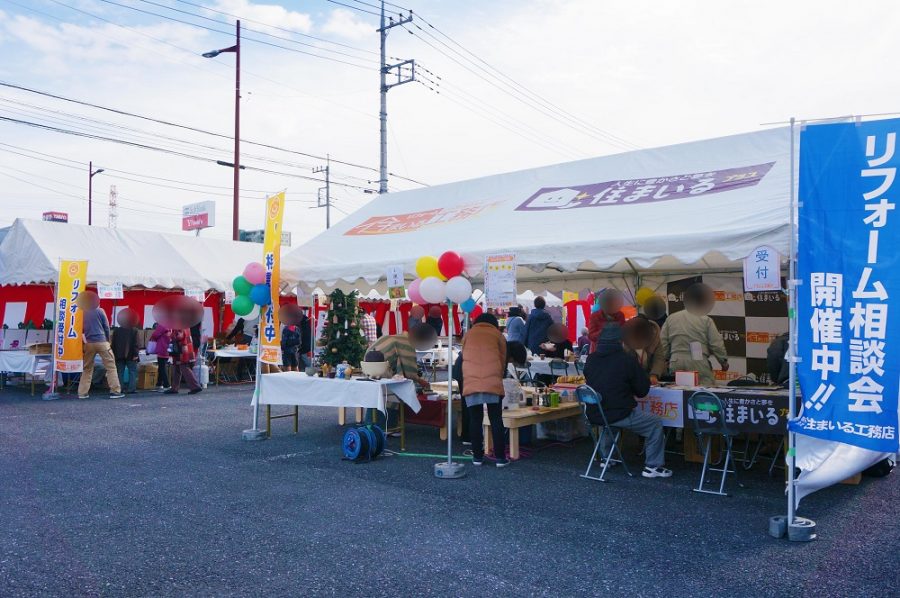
[[468, 305], [260, 294]]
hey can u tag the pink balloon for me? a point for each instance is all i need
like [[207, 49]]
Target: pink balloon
[[413, 292], [255, 273]]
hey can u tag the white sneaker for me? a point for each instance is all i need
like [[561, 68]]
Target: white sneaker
[[162, 388], [656, 472]]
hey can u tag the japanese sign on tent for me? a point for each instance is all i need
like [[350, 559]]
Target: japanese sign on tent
[[500, 280], [849, 270]]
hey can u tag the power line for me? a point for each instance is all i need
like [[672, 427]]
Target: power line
[[503, 87], [278, 37], [207, 28], [192, 128], [243, 18], [158, 149], [526, 90]]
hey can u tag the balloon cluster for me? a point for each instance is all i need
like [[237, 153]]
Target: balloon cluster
[[251, 291], [441, 279]]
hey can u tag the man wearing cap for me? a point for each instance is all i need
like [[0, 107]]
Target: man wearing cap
[[618, 378]]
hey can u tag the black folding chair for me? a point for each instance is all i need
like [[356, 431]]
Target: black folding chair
[[707, 415], [593, 413], [558, 367]]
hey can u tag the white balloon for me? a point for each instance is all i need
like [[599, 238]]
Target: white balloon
[[458, 289], [253, 315], [432, 289]]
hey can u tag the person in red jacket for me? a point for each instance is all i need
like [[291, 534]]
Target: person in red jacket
[[609, 315], [181, 349]]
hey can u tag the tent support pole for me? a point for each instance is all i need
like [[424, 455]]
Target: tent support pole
[[51, 393], [450, 470], [796, 529], [792, 326], [255, 433]]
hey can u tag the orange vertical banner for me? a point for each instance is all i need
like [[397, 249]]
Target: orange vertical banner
[[270, 328], [67, 333]]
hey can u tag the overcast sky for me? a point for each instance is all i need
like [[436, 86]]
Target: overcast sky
[[522, 84]]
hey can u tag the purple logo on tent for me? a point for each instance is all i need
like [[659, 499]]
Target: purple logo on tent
[[665, 188]]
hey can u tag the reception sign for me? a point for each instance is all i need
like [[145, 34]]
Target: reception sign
[[68, 348], [849, 272], [270, 327]]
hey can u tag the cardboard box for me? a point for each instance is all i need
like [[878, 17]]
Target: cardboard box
[[147, 376], [687, 378], [40, 349]]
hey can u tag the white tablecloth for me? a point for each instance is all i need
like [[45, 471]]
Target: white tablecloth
[[296, 388], [221, 353], [23, 362], [542, 366], [18, 361]]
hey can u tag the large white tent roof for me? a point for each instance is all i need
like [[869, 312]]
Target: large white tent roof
[[691, 207], [31, 249]]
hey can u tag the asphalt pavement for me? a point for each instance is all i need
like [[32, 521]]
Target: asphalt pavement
[[156, 495]]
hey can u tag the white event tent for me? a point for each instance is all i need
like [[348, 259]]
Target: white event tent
[[688, 208], [30, 251]]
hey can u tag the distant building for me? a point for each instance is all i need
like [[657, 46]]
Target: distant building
[[55, 217]]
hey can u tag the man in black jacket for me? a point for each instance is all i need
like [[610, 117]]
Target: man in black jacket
[[618, 378]]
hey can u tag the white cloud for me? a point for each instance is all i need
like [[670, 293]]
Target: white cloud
[[271, 14], [104, 43], [348, 25]]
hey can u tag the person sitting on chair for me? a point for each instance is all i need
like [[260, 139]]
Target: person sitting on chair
[[400, 351], [618, 377]]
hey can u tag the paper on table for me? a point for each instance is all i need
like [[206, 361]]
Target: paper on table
[[696, 351]]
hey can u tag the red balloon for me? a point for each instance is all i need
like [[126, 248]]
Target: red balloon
[[451, 264]]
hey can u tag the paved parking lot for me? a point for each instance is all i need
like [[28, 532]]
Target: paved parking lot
[[156, 495]]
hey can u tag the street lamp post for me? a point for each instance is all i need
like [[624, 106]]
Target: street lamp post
[[236, 48], [91, 173]]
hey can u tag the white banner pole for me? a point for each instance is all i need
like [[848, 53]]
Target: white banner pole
[[792, 364]]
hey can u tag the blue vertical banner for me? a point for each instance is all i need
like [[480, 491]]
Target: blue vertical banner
[[849, 294]]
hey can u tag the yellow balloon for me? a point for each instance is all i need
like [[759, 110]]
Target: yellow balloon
[[426, 266], [642, 295]]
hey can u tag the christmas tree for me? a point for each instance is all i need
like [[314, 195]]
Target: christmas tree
[[342, 336]]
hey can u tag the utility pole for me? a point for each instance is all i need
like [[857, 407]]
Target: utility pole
[[387, 69], [91, 174], [327, 189], [236, 50]]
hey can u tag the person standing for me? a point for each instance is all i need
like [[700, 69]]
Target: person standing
[[435, 320], [181, 350], [416, 317], [515, 325], [483, 370], [306, 334], [618, 377], [641, 336], [536, 327], [369, 327], [609, 316], [290, 343], [95, 335], [690, 336], [162, 336], [124, 344]]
